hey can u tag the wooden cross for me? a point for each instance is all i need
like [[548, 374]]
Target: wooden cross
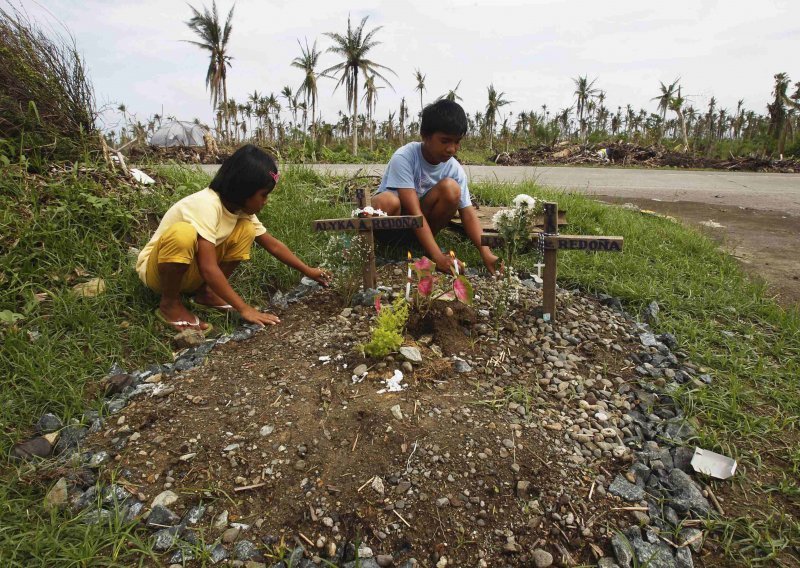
[[365, 226], [553, 243]]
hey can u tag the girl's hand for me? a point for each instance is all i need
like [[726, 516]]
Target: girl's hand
[[322, 276], [252, 315]]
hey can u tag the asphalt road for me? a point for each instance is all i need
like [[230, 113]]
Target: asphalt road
[[760, 191]]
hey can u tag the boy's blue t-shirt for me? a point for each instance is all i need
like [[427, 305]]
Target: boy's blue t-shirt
[[408, 168]]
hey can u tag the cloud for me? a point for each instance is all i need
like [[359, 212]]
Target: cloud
[[529, 49]]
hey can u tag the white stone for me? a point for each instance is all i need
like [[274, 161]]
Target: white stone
[[411, 354], [396, 412], [165, 499]]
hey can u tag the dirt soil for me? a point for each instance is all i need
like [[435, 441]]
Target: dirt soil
[[764, 242], [488, 463]]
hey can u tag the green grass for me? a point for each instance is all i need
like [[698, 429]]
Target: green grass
[[63, 229]]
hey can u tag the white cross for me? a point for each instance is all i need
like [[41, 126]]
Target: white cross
[[539, 267]]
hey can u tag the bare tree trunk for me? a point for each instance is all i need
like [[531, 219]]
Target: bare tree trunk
[[682, 121], [225, 107], [354, 124], [313, 130]]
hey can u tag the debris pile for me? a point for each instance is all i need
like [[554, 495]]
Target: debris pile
[[628, 154]]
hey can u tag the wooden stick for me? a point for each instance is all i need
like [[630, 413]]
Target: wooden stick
[[630, 509], [305, 538], [249, 487], [550, 261], [353, 449], [370, 271], [365, 484], [401, 518], [714, 500]]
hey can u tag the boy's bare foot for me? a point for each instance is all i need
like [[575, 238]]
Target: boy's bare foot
[[177, 312], [207, 297]]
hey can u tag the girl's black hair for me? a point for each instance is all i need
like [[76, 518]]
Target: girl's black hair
[[443, 116], [246, 171]]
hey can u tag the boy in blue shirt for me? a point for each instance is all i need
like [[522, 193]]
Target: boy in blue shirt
[[424, 178]]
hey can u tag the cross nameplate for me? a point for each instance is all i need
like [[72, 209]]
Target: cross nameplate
[[554, 243], [366, 226]]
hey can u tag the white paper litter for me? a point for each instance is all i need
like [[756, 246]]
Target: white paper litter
[[712, 224], [713, 464], [393, 383], [141, 177]]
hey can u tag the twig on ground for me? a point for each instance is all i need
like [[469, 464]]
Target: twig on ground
[[367, 482], [249, 487], [714, 500], [305, 538], [399, 516]]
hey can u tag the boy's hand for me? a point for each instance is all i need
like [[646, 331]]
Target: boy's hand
[[322, 276], [252, 315], [445, 265], [492, 262]]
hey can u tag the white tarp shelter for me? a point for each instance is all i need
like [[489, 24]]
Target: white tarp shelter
[[178, 133]]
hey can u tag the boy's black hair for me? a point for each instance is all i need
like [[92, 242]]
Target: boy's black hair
[[443, 116], [243, 173]]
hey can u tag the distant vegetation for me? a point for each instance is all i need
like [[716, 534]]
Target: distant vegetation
[[288, 121]]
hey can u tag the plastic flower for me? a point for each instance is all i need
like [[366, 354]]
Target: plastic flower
[[524, 200], [503, 216], [368, 210]]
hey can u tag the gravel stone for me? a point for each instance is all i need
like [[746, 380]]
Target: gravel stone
[[623, 488], [542, 558]]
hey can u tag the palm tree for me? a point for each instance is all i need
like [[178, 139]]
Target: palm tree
[[402, 118], [420, 79], [291, 102], [676, 106], [667, 94], [777, 111], [214, 39], [452, 94], [371, 100], [308, 60], [496, 101], [583, 92], [353, 47]]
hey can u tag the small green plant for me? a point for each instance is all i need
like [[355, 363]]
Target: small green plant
[[515, 225], [345, 256], [387, 335]]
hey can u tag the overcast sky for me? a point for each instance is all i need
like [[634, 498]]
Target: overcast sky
[[529, 49]]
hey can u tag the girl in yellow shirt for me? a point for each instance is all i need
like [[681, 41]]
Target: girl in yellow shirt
[[204, 236]]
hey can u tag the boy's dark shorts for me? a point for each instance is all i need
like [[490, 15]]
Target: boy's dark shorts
[[403, 238]]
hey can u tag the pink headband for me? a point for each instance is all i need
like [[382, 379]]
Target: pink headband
[[275, 176]]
